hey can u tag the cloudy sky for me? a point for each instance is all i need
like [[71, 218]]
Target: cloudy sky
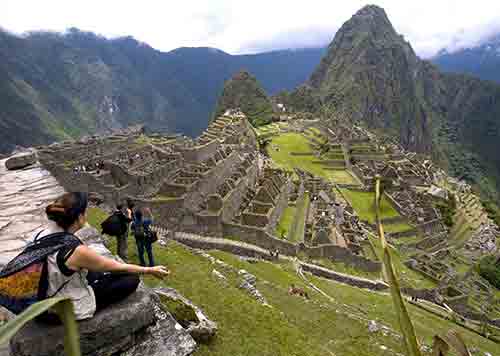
[[242, 26]]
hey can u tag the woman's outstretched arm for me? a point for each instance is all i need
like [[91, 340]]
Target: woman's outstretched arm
[[85, 258]]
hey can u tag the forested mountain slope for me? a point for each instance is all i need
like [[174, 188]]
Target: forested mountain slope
[[54, 86], [372, 75], [482, 61]]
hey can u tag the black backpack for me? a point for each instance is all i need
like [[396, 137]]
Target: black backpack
[[24, 280], [114, 225]]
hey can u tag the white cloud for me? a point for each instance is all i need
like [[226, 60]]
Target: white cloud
[[237, 26]]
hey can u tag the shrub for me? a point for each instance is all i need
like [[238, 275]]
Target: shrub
[[489, 269]]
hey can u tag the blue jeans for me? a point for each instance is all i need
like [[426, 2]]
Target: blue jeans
[[143, 243]]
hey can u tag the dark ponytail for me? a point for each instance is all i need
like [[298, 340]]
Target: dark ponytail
[[67, 208]]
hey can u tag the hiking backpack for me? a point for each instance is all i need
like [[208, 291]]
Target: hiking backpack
[[113, 225], [24, 280]]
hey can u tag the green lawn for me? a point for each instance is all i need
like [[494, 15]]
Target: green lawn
[[292, 325], [363, 204], [397, 227], [298, 143], [95, 216], [299, 223], [286, 220]]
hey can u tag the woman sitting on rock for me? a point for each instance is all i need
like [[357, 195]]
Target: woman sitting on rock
[[68, 269]]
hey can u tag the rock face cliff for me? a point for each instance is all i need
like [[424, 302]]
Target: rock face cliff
[[373, 75]]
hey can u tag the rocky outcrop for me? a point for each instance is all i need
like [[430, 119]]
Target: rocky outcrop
[[21, 161], [112, 330], [165, 337], [196, 323]]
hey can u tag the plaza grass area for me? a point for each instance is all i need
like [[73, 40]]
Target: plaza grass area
[[286, 220], [299, 222], [283, 145], [95, 216], [397, 227], [270, 129], [292, 325], [363, 204]]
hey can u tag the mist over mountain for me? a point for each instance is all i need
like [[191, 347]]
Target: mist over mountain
[[56, 86], [482, 61]]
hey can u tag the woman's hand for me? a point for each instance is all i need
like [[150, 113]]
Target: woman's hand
[[158, 271]]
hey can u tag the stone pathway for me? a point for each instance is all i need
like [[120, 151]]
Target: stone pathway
[[23, 197]]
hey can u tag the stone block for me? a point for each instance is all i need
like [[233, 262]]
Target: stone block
[[110, 331], [165, 337], [214, 202], [202, 329], [21, 161]]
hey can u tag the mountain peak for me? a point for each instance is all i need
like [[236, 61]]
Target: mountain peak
[[243, 91], [363, 40], [371, 10]]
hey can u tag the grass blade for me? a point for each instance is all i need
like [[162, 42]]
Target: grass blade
[[405, 323]]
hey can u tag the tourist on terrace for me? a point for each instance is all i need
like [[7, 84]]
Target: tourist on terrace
[[122, 240], [142, 232], [68, 270]]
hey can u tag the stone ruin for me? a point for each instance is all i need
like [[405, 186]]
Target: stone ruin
[[330, 221], [216, 185]]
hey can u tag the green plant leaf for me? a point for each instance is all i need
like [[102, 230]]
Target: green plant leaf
[[439, 347], [8, 330], [455, 340], [71, 335], [410, 339], [64, 308]]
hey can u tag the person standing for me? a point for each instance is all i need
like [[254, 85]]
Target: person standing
[[122, 239], [141, 227]]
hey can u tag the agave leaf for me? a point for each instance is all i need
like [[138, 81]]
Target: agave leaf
[[65, 310], [71, 335], [410, 339], [8, 330], [439, 347], [405, 323], [455, 340]]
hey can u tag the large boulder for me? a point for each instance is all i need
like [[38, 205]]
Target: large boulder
[[165, 337], [191, 317], [21, 161], [112, 330]]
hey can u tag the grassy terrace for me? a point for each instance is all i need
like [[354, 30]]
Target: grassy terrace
[[286, 221], [299, 223], [298, 143], [362, 202], [407, 276], [292, 325], [95, 217]]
